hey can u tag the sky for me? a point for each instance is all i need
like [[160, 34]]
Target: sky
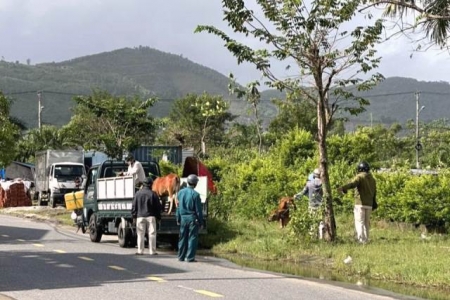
[[58, 30]]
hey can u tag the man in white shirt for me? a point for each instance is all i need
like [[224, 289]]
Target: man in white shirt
[[135, 169]]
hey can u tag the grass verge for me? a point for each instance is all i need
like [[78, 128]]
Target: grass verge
[[41, 213], [396, 253]]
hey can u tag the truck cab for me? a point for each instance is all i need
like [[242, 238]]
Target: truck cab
[[64, 178], [57, 172]]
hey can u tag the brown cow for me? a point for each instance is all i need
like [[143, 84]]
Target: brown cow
[[168, 185], [281, 214]]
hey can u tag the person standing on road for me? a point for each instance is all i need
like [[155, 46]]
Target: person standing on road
[[190, 218], [366, 191], [135, 169], [146, 210]]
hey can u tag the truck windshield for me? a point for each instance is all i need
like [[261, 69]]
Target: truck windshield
[[68, 171]]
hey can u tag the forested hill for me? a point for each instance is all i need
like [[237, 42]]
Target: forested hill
[[143, 71], [159, 73], [394, 100], [149, 72]]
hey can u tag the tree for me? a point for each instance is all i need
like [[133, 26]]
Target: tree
[[312, 36], [9, 133], [18, 122], [242, 136], [111, 124], [433, 17], [46, 137], [294, 113], [253, 97], [197, 119]]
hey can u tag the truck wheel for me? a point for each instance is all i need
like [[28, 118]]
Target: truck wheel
[[133, 239], [95, 231], [125, 235]]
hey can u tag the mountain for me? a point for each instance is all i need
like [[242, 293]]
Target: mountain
[[149, 72], [143, 71], [394, 100]]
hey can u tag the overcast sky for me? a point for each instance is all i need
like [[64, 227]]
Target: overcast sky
[[57, 30]]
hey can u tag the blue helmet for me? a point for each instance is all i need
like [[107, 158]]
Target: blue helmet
[[192, 179]]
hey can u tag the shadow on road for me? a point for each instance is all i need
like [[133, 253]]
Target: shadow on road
[[28, 270], [46, 270]]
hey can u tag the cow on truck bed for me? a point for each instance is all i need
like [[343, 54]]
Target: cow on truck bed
[[108, 199]]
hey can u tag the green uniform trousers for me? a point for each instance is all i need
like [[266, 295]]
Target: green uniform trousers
[[188, 242]]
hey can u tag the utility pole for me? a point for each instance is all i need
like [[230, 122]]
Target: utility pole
[[418, 144], [39, 109]]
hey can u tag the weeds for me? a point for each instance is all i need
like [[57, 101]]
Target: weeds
[[400, 254]]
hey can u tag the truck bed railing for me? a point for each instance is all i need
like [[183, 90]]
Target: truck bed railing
[[111, 188]]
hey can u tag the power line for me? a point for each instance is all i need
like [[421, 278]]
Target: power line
[[20, 93], [388, 94], [436, 93], [262, 100]]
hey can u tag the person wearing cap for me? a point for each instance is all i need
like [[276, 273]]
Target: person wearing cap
[[313, 189], [146, 209], [135, 169], [190, 218]]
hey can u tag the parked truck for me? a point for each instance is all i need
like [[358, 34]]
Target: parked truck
[[108, 199], [57, 172]]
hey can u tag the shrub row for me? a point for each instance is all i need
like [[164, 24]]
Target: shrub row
[[250, 184]]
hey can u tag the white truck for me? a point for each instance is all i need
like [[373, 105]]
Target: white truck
[[58, 172]]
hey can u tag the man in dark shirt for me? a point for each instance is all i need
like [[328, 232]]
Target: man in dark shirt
[[146, 209], [190, 218]]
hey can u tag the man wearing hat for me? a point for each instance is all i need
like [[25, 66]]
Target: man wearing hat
[[135, 169], [190, 218], [146, 209]]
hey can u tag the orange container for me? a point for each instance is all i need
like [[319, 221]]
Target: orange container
[[74, 200]]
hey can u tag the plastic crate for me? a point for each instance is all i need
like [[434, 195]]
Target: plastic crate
[[74, 200]]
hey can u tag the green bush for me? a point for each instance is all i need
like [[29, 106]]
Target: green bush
[[167, 168], [352, 148], [404, 197], [251, 184], [251, 188], [304, 224]]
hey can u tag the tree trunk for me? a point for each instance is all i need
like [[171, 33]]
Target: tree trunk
[[258, 127], [330, 223]]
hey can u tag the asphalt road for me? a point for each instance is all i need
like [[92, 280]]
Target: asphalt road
[[41, 261]]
